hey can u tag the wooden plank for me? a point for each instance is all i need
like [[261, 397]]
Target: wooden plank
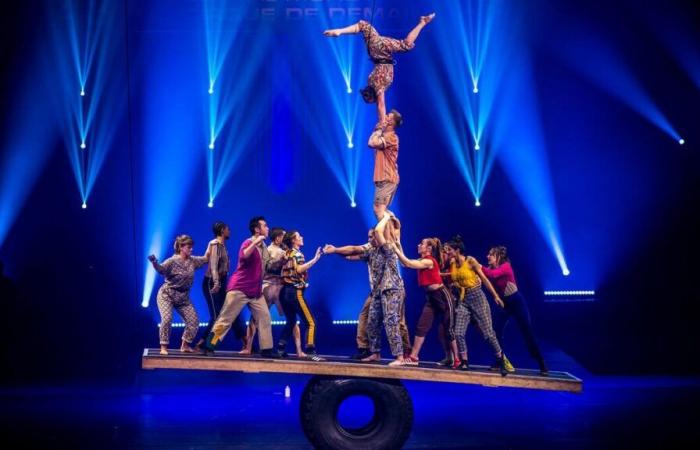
[[345, 367]]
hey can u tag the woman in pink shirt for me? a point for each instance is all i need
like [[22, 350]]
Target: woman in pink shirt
[[500, 273]]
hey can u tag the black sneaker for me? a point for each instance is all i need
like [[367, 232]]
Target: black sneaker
[[270, 353], [361, 353], [463, 365]]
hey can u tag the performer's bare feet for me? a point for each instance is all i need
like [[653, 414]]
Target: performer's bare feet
[[398, 362], [163, 350], [331, 33], [184, 348], [371, 358], [301, 355], [427, 19], [245, 351]]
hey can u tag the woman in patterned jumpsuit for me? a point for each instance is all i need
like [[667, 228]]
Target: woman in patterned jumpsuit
[[381, 50], [178, 271]]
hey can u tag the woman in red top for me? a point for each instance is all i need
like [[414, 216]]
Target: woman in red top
[[438, 299]]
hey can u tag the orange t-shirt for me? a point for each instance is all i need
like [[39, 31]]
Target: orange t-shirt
[[386, 160]]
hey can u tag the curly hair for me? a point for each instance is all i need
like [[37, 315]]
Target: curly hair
[[181, 241]]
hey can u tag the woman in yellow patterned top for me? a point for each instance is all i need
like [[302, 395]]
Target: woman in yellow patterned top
[[295, 274], [467, 280]]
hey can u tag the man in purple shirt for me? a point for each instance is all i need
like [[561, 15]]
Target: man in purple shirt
[[245, 288]]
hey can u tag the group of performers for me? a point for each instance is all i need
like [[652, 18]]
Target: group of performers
[[278, 273]]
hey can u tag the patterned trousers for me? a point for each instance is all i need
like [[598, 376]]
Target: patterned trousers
[[475, 306], [387, 305], [166, 304], [363, 340]]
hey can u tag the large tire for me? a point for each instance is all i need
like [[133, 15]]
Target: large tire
[[389, 428]]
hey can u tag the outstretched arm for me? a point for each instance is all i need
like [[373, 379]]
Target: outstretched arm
[[304, 267], [412, 263], [484, 280], [162, 269], [346, 250]]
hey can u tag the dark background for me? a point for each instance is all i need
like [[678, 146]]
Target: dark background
[[625, 192]]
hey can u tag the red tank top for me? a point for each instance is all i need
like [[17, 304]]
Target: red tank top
[[426, 277]]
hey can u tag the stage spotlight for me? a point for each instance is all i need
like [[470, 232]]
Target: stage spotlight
[[475, 90], [82, 93], [476, 146], [477, 202], [211, 145], [353, 204], [681, 141], [566, 272], [349, 90], [84, 205], [210, 204], [350, 144], [82, 145]]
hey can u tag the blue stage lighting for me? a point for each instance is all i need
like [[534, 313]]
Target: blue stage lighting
[[477, 202], [476, 146], [681, 141], [349, 91], [82, 93], [210, 204], [82, 145], [84, 206], [350, 144], [211, 145], [566, 272], [476, 89], [353, 204]]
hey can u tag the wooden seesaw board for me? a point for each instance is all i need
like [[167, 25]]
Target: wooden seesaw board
[[339, 366]]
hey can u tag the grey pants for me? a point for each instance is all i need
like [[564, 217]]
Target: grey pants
[[475, 306]]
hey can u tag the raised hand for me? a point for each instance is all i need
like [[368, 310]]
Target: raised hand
[[331, 33], [152, 258], [318, 253], [328, 248]]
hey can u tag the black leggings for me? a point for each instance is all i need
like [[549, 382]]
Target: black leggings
[[214, 304], [294, 304], [516, 308]]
